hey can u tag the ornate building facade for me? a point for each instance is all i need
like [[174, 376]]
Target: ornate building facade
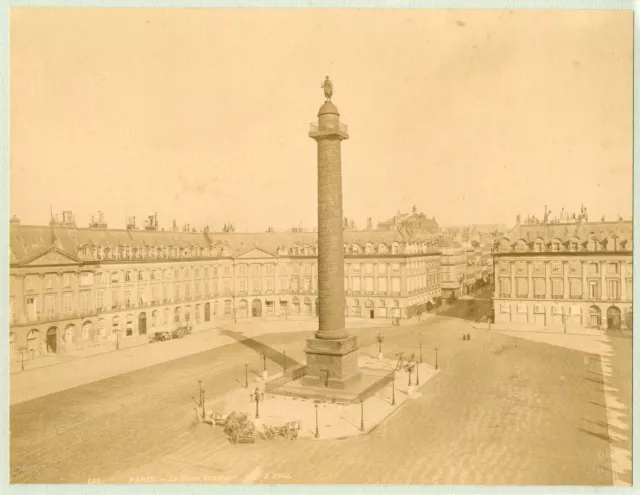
[[565, 275], [71, 287]]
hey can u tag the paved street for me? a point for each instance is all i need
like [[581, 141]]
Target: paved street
[[502, 410]]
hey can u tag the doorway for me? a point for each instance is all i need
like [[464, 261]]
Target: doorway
[[52, 340], [371, 314], [142, 323], [613, 318]]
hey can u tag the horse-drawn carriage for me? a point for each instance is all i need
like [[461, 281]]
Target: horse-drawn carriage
[[238, 427], [288, 430]]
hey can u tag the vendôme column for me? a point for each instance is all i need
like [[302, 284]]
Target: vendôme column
[[332, 355]]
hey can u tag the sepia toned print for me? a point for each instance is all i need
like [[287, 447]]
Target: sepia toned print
[[321, 247]]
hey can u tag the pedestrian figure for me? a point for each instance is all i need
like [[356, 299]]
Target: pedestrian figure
[[468, 336]]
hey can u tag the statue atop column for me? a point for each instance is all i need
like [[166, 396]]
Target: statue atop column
[[327, 85]]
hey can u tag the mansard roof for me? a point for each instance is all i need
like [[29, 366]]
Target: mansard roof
[[525, 237], [27, 241]]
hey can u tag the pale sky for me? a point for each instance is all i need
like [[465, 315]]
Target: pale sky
[[202, 114]]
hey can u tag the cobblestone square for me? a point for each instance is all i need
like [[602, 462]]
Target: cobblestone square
[[501, 410]]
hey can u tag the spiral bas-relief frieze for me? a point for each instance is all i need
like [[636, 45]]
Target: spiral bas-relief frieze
[[330, 238]]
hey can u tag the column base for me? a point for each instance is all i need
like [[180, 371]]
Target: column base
[[331, 363]]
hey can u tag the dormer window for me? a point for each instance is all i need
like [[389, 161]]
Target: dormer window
[[356, 249], [555, 246]]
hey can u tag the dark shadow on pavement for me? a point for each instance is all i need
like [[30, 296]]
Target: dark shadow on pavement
[[602, 436], [272, 355]]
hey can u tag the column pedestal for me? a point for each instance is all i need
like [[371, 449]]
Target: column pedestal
[[331, 363]]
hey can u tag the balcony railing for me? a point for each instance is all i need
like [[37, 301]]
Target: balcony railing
[[315, 127], [557, 296]]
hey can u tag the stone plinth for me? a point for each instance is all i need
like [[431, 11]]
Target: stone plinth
[[331, 363]]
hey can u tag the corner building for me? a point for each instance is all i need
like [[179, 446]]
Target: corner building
[[565, 275], [71, 288]]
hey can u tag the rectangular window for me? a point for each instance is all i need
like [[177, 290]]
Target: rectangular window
[[557, 287], [522, 287], [395, 267], [49, 305], [255, 285], [176, 273], [355, 284], [594, 268], [368, 284], [538, 287], [66, 303], [215, 286], [197, 272], [613, 269], [115, 277], [368, 268], [269, 283], [614, 289], [198, 289], [307, 284], [227, 286], [141, 296], [48, 282], [242, 285], [355, 268], [187, 290], [154, 293], [99, 299], [575, 288], [176, 291], [28, 282], [206, 288], [66, 280], [346, 283], [84, 301], [206, 271], [594, 289], [382, 268], [284, 285], [395, 285], [227, 271], [269, 269], [505, 287], [31, 308], [114, 299]]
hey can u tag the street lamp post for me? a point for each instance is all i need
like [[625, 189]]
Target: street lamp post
[[417, 374], [379, 340], [393, 390], [410, 366], [246, 376], [264, 369], [257, 397], [361, 414], [202, 402], [421, 351], [284, 361], [316, 405], [23, 350], [117, 339], [436, 358]]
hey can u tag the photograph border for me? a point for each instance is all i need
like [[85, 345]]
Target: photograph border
[[190, 489]]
